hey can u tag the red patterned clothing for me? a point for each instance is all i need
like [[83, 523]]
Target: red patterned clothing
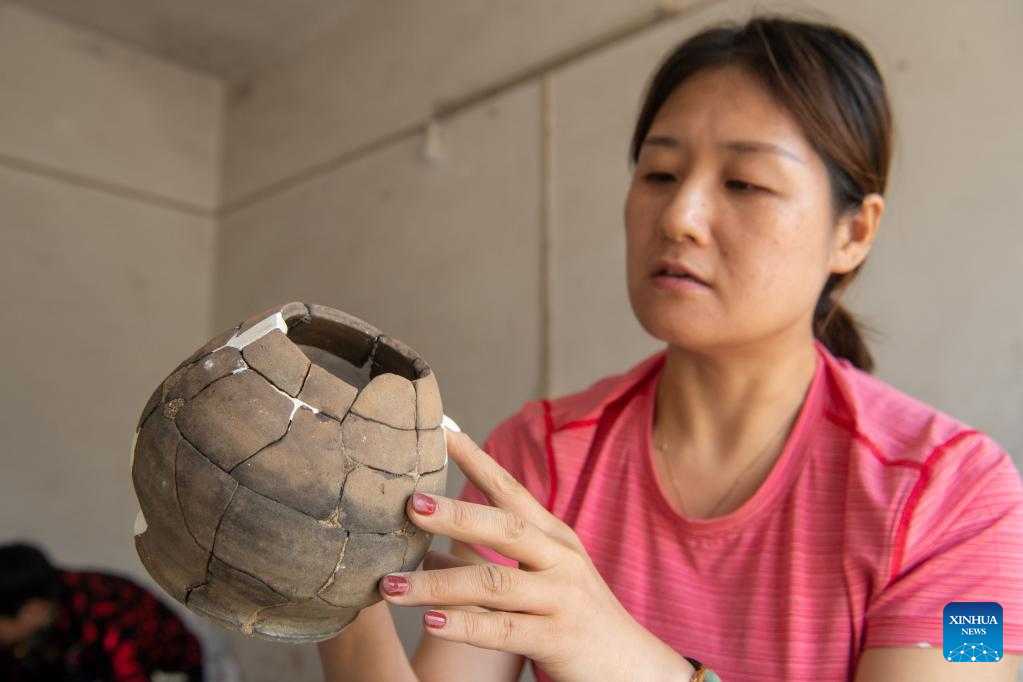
[[106, 628]]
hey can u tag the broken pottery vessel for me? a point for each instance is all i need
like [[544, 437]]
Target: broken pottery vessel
[[272, 469]]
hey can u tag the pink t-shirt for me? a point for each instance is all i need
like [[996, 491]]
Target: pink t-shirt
[[879, 511]]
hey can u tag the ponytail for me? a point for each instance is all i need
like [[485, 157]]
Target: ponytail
[[838, 329]]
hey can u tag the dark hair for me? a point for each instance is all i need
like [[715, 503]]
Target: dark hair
[[829, 82], [25, 573]]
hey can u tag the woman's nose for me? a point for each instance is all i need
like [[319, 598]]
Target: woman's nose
[[686, 216]]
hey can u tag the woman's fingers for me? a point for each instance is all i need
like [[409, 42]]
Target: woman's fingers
[[488, 585], [498, 485], [499, 529], [518, 633], [492, 479], [436, 560]]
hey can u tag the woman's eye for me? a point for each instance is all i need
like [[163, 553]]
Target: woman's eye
[[742, 186], [660, 177]]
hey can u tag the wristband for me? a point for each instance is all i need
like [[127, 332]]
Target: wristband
[[702, 673]]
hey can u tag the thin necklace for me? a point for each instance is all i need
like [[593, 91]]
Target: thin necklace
[[661, 448]]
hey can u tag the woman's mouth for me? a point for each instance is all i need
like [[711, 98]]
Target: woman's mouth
[[677, 281]]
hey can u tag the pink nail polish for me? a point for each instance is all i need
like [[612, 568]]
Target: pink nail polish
[[395, 585], [435, 619], [423, 504]]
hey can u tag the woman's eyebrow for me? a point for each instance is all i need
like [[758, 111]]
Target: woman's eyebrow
[[739, 146]]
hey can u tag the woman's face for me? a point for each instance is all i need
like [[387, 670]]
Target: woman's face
[[727, 186]]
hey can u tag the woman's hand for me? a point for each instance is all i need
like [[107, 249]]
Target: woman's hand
[[554, 608]]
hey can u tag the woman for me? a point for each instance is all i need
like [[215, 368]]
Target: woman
[[751, 497]]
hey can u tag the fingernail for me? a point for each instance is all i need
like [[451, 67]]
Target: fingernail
[[435, 619], [395, 584], [423, 504]]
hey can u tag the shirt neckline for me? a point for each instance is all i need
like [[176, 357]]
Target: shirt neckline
[[784, 471]]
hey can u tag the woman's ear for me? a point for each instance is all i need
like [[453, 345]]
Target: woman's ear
[[855, 234]]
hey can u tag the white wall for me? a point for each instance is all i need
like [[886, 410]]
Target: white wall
[[108, 166], [384, 68], [82, 106]]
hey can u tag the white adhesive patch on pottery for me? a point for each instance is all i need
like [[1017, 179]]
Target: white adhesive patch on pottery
[[140, 523], [256, 332], [297, 404]]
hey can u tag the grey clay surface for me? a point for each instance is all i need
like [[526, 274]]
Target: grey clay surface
[[273, 477]]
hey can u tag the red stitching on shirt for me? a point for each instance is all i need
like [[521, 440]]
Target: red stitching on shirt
[[548, 439], [577, 424], [924, 475], [914, 497], [608, 417], [874, 450]]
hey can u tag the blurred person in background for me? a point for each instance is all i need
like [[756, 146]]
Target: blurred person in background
[[84, 626]]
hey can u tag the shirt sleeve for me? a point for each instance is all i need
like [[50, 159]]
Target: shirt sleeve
[[518, 445], [963, 541]]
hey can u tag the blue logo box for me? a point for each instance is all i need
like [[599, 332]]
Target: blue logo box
[[972, 632]]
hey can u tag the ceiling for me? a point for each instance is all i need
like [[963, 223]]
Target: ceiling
[[232, 39]]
